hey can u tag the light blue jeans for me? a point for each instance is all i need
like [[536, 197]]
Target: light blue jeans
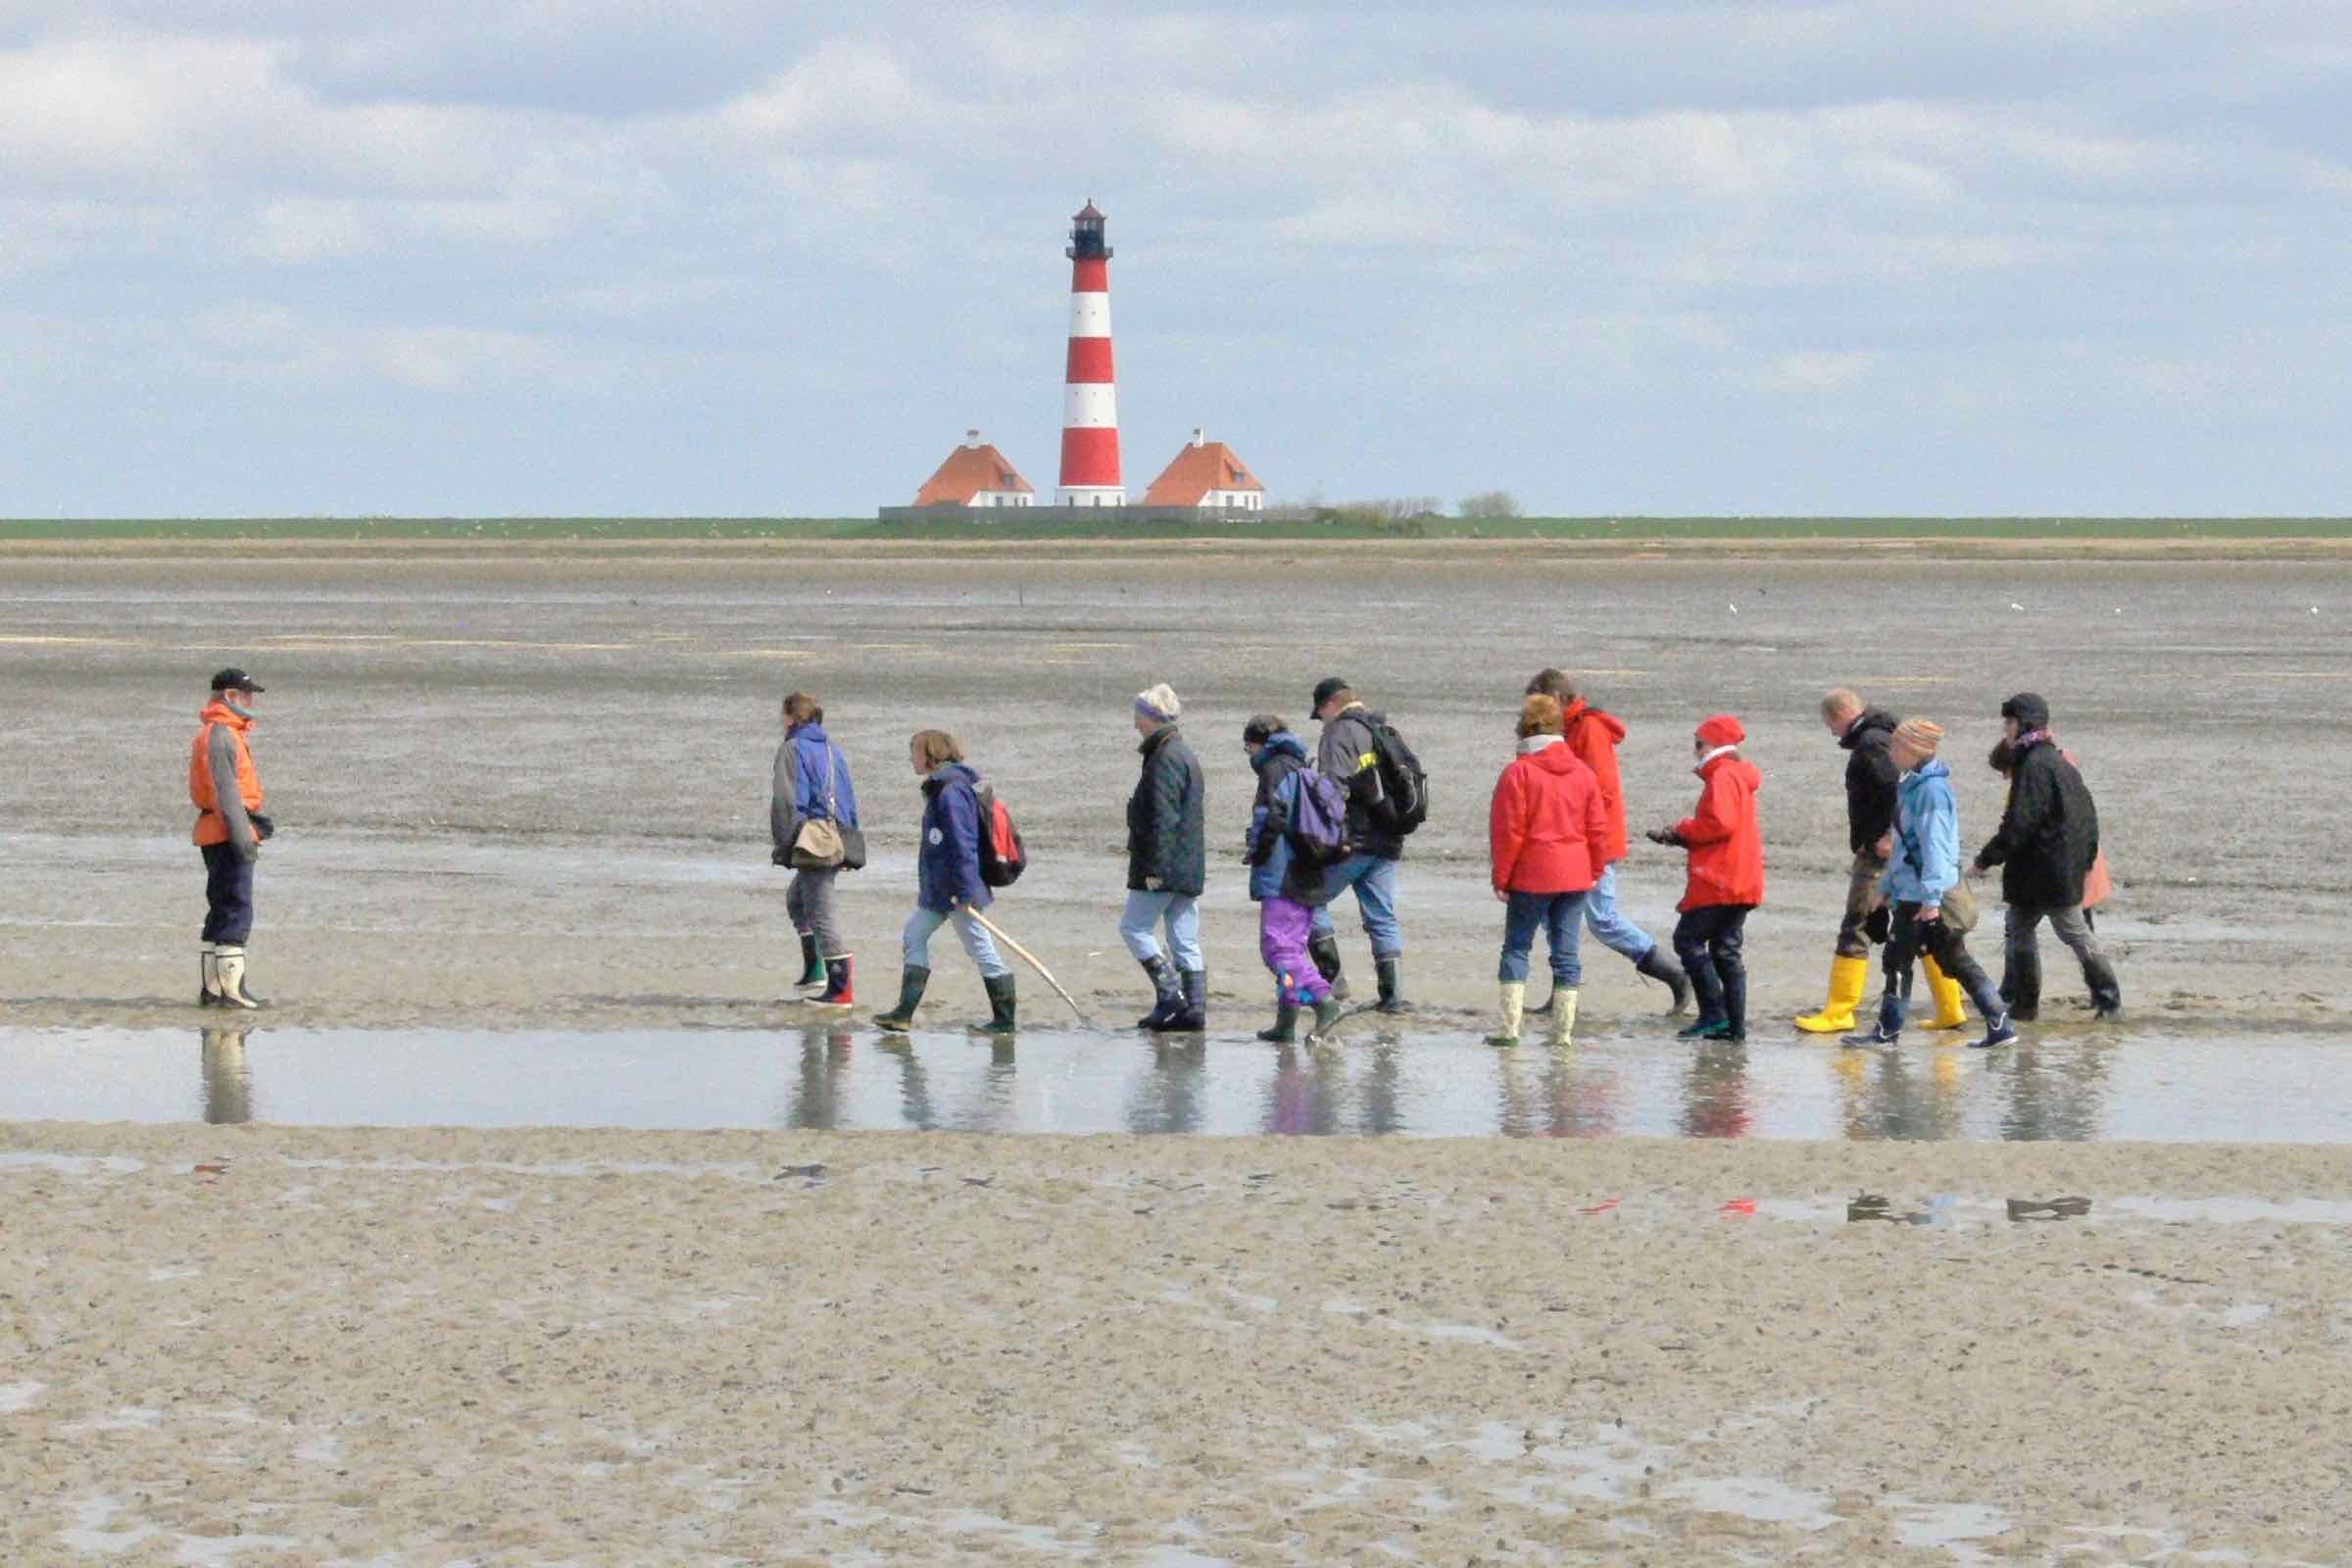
[[1610, 929], [1374, 879], [1559, 917], [915, 942], [1183, 917]]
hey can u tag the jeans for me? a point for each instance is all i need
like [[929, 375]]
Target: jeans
[[1183, 917], [809, 903], [914, 941], [1861, 882], [1908, 939], [228, 896], [2022, 983], [1707, 940], [1282, 932], [1610, 929], [1374, 878], [1560, 915]]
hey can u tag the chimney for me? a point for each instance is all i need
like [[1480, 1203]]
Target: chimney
[[1199, 438], [971, 438]]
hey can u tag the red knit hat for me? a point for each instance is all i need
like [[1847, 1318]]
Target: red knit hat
[[1721, 730]]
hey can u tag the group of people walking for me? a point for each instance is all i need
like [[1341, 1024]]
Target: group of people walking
[[1335, 821]]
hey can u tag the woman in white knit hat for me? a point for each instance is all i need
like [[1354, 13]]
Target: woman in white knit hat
[[1167, 867]]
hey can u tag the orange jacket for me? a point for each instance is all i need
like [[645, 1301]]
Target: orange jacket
[[1725, 837], [1545, 825], [1595, 736], [211, 826]]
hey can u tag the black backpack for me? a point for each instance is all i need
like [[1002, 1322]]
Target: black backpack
[[1403, 782]]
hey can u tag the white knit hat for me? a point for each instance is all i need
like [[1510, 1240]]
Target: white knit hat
[[1159, 703]]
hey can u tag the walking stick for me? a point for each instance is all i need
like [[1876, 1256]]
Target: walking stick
[[1044, 973]]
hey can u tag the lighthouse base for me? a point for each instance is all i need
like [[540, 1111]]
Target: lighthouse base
[[1091, 496]]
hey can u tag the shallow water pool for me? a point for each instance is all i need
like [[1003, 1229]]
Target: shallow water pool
[[2079, 1085]]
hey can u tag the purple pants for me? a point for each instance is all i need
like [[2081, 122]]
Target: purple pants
[[1281, 933]]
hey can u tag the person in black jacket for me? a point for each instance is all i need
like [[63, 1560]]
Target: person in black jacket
[[1167, 867], [1348, 755], [1870, 780], [2049, 835]]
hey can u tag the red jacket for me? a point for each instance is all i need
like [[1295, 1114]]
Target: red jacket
[[1724, 838], [1595, 736], [1546, 826]]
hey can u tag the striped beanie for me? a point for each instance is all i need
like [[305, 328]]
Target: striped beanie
[[1920, 734]]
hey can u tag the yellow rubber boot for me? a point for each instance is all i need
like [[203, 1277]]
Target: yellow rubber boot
[[1951, 1007], [1847, 976]]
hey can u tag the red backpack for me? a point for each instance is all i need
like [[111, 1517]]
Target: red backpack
[[1002, 855]]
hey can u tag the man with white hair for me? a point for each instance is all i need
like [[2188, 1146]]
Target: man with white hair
[[1167, 867]]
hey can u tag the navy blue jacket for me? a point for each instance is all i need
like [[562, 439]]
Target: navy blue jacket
[[1274, 872], [800, 792], [948, 868]]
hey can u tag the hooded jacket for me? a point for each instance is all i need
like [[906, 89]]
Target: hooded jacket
[[1546, 828], [946, 868], [1167, 830], [1594, 737], [1346, 754], [1870, 778], [220, 756], [801, 788], [2049, 833], [1274, 872], [1927, 838], [1725, 837]]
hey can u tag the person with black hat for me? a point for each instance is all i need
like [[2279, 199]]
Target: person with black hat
[[1348, 755], [2048, 837], [227, 792]]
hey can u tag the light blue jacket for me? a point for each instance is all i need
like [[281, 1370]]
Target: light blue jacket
[[1926, 839]]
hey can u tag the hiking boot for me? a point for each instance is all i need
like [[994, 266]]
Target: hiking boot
[[812, 966], [1514, 1006], [900, 1018], [228, 968], [1324, 951], [1192, 1006], [1391, 972], [1165, 988], [1655, 966], [1000, 1006], [837, 984], [1285, 1024], [1997, 1032]]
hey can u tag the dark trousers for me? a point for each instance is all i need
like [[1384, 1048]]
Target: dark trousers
[[2021, 978], [228, 896], [1861, 881], [1910, 939], [1707, 940]]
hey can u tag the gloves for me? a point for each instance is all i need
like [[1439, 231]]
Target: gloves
[[1664, 835], [1878, 924], [779, 857], [263, 828]]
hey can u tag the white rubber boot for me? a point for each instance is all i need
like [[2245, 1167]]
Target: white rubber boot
[[229, 963], [208, 988], [1563, 1018], [1514, 1007]]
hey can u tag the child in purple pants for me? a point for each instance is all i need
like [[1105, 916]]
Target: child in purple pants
[[1287, 892]]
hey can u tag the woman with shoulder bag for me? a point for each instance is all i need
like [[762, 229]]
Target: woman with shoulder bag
[[812, 817]]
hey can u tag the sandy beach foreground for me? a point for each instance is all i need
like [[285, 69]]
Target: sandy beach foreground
[[254, 1345]]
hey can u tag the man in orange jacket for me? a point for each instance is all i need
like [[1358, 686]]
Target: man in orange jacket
[[227, 792]]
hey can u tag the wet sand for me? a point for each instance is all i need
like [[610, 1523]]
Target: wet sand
[[527, 786], [277, 1347]]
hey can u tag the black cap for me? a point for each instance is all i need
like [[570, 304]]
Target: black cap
[[2029, 709], [235, 680], [1326, 689]]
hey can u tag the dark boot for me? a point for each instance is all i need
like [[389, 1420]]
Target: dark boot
[[1391, 984], [1000, 1006], [898, 1019], [2106, 991], [1285, 1024], [1192, 1013], [1655, 966], [1735, 999], [1324, 951], [837, 984], [1170, 995], [813, 966], [1328, 1012], [1889, 1029], [2022, 986]]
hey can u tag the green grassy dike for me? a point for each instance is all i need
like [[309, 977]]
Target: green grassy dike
[[556, 530]]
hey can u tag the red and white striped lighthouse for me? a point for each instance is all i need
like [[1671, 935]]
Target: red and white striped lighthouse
[[1089, 399]]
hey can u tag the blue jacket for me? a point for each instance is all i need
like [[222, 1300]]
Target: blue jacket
[[799, 791], [1278, 765], [948, 868], [1927, 838]]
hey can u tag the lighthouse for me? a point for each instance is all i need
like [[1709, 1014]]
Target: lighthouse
[[1090, 400]]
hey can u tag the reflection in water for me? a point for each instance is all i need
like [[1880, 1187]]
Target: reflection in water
[[1715, 1090], [227, 1081], [2054, 1094], [1556, 1094], [817, 1099], [1897, 1092], [1167, 1098], [1302, 1097]]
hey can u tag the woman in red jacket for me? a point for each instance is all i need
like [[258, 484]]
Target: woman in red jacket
[[1726, 879], [1547, 834]]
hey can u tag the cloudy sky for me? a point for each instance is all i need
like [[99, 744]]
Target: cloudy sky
[[572, 257]]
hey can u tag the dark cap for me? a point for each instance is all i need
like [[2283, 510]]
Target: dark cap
[[1261, 729], [2029, 709], [234, 679], [1326, 689]]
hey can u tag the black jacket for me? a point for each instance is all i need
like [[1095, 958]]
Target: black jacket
[[1346, 754], [2049, 833], [1870, 778], [1166, 818]]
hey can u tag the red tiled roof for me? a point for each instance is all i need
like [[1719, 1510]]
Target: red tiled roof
[[967, 471], [1196, 470]]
